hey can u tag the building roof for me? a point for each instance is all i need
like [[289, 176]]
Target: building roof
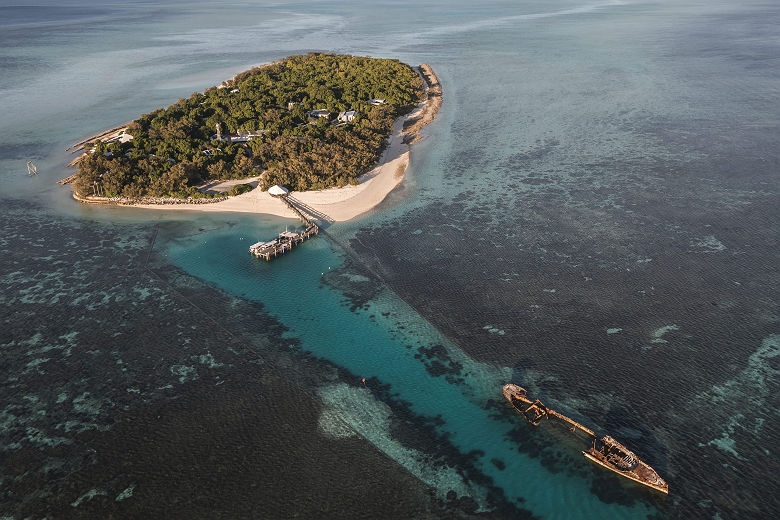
[[347, 115], [320, 112], [278, 190]]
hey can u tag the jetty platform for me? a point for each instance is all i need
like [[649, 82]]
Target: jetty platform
[[285, 241]]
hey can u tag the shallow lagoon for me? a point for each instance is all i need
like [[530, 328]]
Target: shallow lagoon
[[380, 341], [600, 184]]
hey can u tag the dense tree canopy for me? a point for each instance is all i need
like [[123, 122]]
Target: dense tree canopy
[[174, 149]]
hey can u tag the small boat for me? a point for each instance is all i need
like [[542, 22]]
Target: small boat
[[606, 451]]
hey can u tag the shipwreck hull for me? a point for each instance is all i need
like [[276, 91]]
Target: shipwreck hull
[[640, 475], [611, 454]]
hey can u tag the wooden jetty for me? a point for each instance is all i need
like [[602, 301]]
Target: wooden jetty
[[285, 241]]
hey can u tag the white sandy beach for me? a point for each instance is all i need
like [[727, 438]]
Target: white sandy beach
[[339, 204]]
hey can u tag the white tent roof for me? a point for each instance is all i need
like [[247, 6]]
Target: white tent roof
[[278, 190]]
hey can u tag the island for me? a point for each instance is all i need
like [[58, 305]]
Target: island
[[334, 129]]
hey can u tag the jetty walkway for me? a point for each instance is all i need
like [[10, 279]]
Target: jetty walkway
[[289, 239], [296, 204]]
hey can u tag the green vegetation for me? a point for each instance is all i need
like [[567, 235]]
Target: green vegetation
[[175, 149], [238, 189]]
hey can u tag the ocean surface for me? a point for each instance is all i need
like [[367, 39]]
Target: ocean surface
[[593, 215]]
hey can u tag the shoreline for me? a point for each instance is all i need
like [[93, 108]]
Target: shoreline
[[333, 204]]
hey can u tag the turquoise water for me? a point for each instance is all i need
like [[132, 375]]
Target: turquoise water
[[368, 343], [593, 215]]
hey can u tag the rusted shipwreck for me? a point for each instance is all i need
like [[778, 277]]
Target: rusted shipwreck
[[605, 451]]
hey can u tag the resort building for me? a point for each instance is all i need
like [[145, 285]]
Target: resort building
[[239, 137], [320, 112], [347, 116], [121, 138], [244, 136]]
